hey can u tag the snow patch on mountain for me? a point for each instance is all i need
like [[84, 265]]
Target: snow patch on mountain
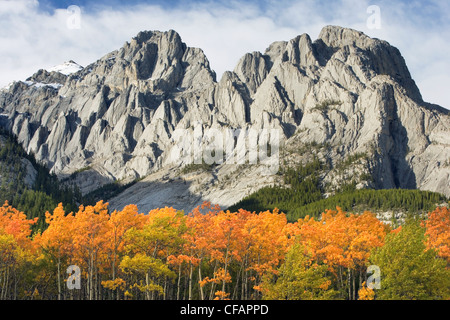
[[66, 68], [40, 84]]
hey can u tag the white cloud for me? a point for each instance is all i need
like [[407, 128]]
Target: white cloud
[[33, 39]]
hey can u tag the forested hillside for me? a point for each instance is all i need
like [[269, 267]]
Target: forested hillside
[[303, 194], [35, 194]]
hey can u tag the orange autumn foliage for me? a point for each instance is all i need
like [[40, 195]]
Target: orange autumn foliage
[[15, 223], [438, 232], [205, 254], [340, 239], [366, 293]]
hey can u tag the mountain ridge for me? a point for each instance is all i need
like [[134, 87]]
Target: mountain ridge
[[345, 92]]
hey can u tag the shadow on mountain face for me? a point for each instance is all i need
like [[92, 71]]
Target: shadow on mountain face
[[393, 167], [403, 174], [148, 195]]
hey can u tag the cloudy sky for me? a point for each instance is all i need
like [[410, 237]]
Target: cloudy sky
[[40, 34]]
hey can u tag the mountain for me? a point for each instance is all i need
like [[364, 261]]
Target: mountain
[[345, 100], [28, 186], [66, 68]]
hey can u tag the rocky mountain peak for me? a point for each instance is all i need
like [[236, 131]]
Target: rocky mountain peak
[[144, 36], [377, 56], [338, 37], [46, 77], [344, 93], [66, 68]]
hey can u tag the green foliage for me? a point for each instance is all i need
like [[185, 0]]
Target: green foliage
[[325, 105], [350, 160], [413, 201], [304, 196], [298, 279], [347, 187], [408, 270], [74, 174], [304, 188], [193, 167], [312, 146], [446, 164], [366, 177]]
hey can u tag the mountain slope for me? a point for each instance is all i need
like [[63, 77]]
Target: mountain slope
[[28, 186], [346, 99]]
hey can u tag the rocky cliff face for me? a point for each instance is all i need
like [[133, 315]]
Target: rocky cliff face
[[340, 97]]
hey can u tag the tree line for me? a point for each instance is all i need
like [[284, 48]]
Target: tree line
[[303, 195], [209, 253]]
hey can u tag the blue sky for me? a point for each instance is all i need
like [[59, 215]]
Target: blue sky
[[35, 33]]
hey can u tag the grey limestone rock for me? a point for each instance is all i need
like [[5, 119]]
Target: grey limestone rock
[[118, 115]]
